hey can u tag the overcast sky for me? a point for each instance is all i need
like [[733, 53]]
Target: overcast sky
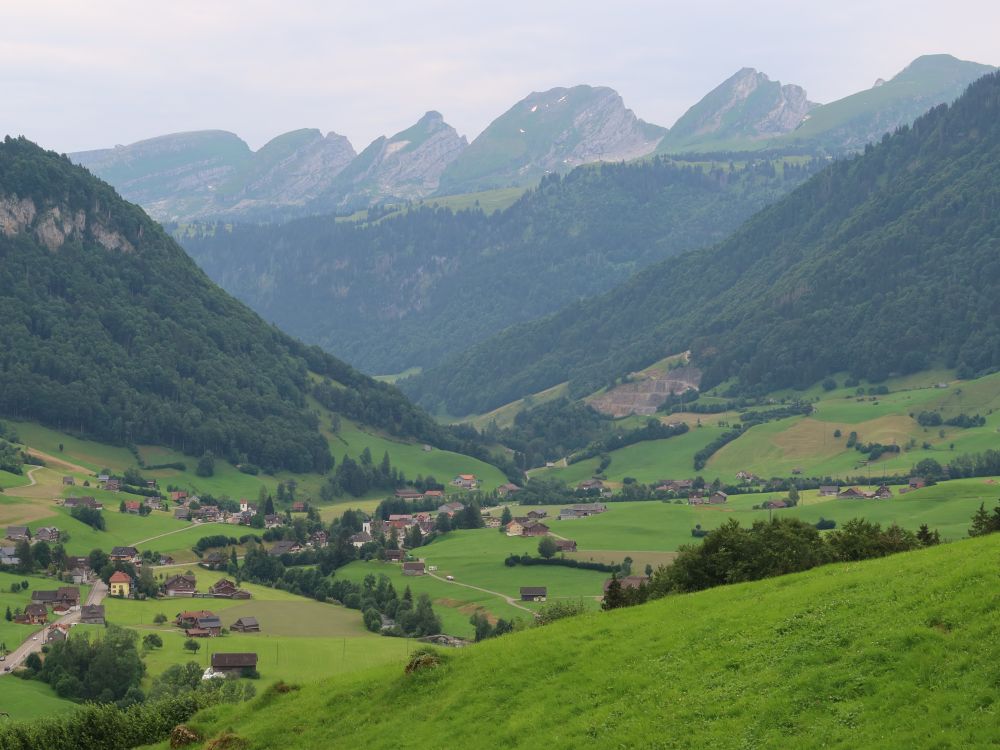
[[80, 75]]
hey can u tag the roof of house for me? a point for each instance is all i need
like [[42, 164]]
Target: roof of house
[[209, 622], [413, 566], [561, 543], [17, 530], [248, 622], [124, 552], [234, 660], [223, 583], [36, 609], [120, 576], [91, 610], [628, 582], [180, 581], [194, 614], [534, 590], [282, 547]]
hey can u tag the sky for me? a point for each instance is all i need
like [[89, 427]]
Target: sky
[[76, 76]]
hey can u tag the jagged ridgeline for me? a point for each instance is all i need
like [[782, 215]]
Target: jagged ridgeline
[[884, 263], [108, 329]]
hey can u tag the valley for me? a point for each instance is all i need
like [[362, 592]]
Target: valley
[[570, 430]]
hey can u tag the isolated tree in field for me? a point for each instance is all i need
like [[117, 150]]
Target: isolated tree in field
[[506, 517], [546, 547], [793, 494], [206, 465], [160, 619], [151, 641], [192, 645], [7, 615], [121, 507]]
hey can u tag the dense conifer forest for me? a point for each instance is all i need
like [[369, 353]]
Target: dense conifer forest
[[404, 290]]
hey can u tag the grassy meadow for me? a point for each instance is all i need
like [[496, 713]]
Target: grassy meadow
[[896, 652]]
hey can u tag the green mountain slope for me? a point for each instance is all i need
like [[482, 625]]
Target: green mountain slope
[[861, 118], [550, 131], [407, 290], [894, 652], [107, 329], [879, 264]]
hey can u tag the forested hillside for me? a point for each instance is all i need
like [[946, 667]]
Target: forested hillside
[[882, 263], [405, 291], [107, 329]]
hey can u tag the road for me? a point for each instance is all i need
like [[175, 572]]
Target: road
[[509, 599], [33, 643]]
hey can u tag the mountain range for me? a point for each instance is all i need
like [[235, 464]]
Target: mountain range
[[214, 174], [879, 264]]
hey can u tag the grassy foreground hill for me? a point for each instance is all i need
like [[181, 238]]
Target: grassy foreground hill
[[898, 652]]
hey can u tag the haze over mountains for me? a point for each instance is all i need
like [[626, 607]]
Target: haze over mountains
[[206, 174]]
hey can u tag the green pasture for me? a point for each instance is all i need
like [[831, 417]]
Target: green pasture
[[30, 699]]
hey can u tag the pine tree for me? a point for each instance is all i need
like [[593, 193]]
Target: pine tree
[[981, 523], [8, 616], [613, 597], [506, 517]]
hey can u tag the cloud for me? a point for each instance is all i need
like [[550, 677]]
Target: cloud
[[89, 75]]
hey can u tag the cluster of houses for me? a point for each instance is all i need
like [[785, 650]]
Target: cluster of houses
[[59, 602], [317, 540], [528, 525], [594, 486], [189, 508], [16, 534], [203, 623], [82, 502], [700, 498]]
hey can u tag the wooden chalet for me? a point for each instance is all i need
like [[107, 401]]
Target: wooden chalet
[[413, 569], [534, 593], [180, 585], [245, 625], [233, 663]]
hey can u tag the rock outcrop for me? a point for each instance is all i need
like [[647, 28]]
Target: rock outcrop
[[747, 106]]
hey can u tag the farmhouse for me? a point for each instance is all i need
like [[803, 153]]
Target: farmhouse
[[882, 493], [182, 585], [124, 554], [92, 614], [916, 483], [178, 496], [56, 633], [534, 528], [394, 555], [153, 503], [36, 614], [18, 533], [47, 534], [360, 539], [226, 589], [507, 489], [319, 538], [213, 561], [466, 481], [233, 663], [245, 625], [451, 509], [717, 498], [132, 506], [537, 514], [284, 547], [68, 481], [515, 528], [273, 521], [182, 514], [492, 522], [64, 596], [8, 556], [413, 568], [120, 584], [592, 486], [82, 502], [211, 625], [533, 593], [851, 493], [829, 490], [408, 494], [112, 485], [565, 545], [189, 618]]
